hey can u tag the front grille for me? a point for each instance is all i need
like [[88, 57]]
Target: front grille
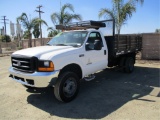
[[23, 63]]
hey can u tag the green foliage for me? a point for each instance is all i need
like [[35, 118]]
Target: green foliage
[[15, 38], [52, 32], [36, 31], [64, 17], [157, 31], [27, 24], [19, 48], [120, 12], [5, 38], [37, 21], [26, 34]]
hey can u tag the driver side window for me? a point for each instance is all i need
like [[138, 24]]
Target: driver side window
[[93, 37]]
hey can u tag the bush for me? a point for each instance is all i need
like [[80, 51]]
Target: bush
[[5, 38], [19, 48]]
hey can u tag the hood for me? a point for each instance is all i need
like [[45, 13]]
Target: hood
[[38, 51]]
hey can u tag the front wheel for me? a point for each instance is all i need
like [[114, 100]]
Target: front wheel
[[66, 87]]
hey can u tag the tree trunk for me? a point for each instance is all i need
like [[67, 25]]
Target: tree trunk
[[0, 49], [30, 39], [118, 30]]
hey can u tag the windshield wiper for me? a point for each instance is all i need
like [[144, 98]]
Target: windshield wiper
[[48, 44], [61, 45], [77, 45]]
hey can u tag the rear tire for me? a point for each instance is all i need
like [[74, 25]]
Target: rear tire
[[66, 87], [129, 65], [122, 64]]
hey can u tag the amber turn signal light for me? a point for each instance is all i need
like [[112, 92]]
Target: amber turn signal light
[[50, 68]]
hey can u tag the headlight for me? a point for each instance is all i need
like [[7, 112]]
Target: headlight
[[45, 66], [46, 63]]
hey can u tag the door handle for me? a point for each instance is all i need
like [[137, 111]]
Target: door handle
[[81, 55], [104, 52]]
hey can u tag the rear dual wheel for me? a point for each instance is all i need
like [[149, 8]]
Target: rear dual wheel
[[127, 64]]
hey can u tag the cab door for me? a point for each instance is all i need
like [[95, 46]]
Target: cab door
[[95, 59]]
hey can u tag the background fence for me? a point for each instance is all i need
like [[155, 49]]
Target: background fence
[[150, 45], [35, 42], [8, 47]]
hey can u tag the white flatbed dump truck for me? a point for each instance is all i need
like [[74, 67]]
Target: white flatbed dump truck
[[72, 55]]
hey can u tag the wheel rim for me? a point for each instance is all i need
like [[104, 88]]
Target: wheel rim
[[69, 87]]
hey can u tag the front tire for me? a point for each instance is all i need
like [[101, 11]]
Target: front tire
[[66, 87]]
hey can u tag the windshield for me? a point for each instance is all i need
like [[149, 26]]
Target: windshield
[[72, 38]]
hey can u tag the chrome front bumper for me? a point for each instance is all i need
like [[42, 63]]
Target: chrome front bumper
[[39, 79]]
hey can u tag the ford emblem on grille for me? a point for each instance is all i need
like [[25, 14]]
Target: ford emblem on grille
[[19, 63]]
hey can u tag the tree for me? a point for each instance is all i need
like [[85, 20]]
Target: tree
[[36, 31], [157, 31], [26, 34], [29, 24], [120, 12], [37, 22], [64, 17], [5, 38], [52, 32]]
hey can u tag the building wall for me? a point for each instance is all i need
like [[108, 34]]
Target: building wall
[[151, 46]]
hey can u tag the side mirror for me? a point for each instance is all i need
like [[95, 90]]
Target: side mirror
[[97, 45], [89, 46]]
